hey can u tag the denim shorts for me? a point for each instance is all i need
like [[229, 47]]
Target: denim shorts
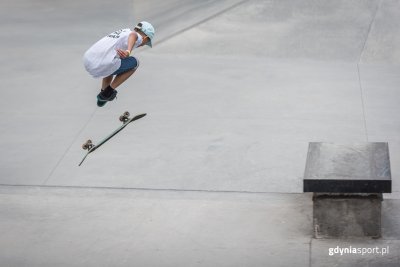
[[127, 64]]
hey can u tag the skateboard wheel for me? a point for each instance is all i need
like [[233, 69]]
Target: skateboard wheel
[[87, 145], [124, 117]]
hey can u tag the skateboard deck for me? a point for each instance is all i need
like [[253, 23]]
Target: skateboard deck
[[124, 118]]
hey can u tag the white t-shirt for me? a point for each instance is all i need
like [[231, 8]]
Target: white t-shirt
[[101, 59]]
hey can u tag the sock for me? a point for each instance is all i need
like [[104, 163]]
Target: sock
[[107, 92]]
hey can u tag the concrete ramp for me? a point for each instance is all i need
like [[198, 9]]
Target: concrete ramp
[[241, 89]]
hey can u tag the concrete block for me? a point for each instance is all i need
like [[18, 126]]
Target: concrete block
[[348, 182], [347, 215]]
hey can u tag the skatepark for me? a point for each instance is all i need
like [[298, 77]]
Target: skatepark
[[234, 92]]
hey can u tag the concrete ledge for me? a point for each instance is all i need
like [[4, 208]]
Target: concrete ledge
[[347, 186], [348, 182], [355, 168]]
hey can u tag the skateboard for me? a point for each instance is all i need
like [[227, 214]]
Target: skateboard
[[124, 118]]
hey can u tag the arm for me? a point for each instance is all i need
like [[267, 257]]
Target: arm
[[131, 42]]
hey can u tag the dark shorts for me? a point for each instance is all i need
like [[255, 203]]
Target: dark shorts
[[127, 64]]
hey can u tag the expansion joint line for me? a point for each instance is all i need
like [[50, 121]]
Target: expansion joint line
[[310, 253], [362, 103], [69, 147], [359, 72], [369, 30]]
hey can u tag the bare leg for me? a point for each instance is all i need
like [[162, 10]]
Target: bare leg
[[119, 79], [106, 81]]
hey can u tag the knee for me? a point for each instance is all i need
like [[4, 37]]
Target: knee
[[134, 63]]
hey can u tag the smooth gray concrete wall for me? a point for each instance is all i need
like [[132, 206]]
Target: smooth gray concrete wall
[[44, 226], [103, 227]]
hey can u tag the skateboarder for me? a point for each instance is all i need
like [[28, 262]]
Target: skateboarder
[[110, 58]]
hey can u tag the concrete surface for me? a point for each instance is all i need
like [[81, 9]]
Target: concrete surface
[[234, 92]]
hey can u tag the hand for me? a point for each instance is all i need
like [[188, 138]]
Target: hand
[[122, 53]]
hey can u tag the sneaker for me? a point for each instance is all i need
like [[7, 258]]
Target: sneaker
[[102, 99]]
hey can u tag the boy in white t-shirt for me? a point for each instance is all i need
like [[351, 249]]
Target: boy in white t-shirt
[[111, 56]]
